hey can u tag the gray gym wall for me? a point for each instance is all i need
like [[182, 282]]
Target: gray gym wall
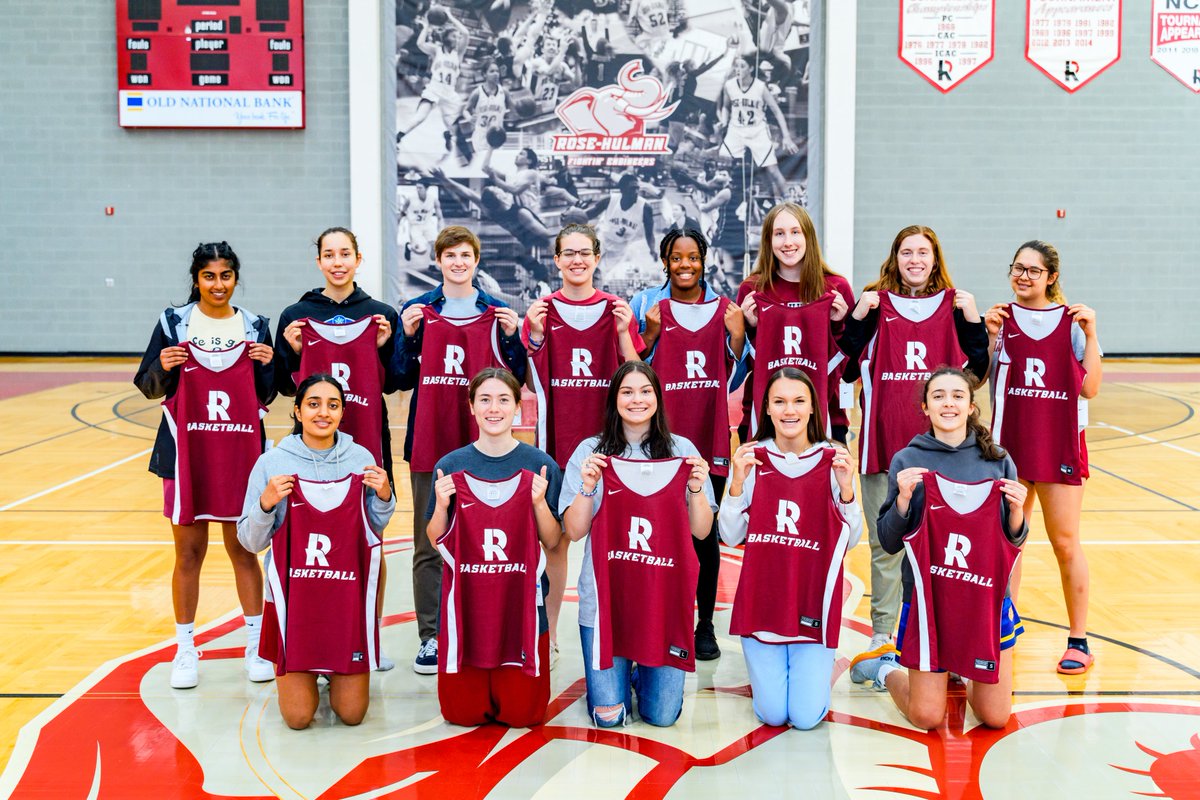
[[987, 165], [63, 158]]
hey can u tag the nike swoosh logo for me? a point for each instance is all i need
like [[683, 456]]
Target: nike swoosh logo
[[297, 505], [555, 327], [1013, 334], [465, 505], [672, 327], [314, 341], [890, 319], [935, 508], [762, 472], [190, 369], [614, 491]]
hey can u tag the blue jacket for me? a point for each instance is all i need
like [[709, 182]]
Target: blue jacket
[[406, 358]]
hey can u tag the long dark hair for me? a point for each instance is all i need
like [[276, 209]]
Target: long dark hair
[[983, 435], [206, 253], [302, 389], [1049, 254], [816, 424], [657, 443]]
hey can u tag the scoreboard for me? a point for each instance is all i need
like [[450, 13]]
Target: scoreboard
[[210, 63]]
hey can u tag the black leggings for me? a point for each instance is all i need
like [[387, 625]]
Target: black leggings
[[708, 551]]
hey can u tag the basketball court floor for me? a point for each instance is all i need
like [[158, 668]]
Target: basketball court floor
[[86, 643]]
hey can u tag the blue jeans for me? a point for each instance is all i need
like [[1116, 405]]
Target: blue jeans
[[789, 682], [659, 689]]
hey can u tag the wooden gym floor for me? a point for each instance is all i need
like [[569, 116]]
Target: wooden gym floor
[[86, 629]]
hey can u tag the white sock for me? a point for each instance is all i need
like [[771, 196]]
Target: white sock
[[185, 635], [885, 669], [253, 631]]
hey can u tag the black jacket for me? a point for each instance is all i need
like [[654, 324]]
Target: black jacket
[[154, 382]]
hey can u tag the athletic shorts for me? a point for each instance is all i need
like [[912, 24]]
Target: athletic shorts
[[168, 497], [762, 149], [1010, 625]]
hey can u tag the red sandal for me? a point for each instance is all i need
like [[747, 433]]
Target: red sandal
[[1075, 656]]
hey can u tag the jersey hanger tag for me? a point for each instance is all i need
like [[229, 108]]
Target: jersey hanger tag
[[339, 333], [1036, 317], [646, 469], [216, 362], [493, 493], [846, 395], [960, 490]]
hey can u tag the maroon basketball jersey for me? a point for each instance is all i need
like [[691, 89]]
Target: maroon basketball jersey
[[453, 350], [693, 365], [322, 579], [791, 582], [961, 562], [794, 335], [645, 565], [491, 574], [348, 353], [570, 373], [914, 337], [1035, 416], [216, 419]]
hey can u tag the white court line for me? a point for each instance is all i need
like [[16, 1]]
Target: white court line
[[73, 481], [1144, 437]]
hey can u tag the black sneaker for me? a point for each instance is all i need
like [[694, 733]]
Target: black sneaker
[[706, 642], [426, 662]]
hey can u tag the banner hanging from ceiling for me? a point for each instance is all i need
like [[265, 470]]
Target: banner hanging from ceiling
[[947, 41]]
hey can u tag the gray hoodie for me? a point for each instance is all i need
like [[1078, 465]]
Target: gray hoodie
[[293, 457], [964, 463]]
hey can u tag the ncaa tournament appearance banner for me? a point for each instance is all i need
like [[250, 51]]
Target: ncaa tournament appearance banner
[[946, 41], [514, 119], [1175, 39], [1072, 42]]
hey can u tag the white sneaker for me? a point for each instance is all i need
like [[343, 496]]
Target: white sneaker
[[185, 668], [878, 640], [553, 655], [385, 664], [258, 669]]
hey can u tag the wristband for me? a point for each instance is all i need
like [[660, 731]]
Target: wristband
[[592, 493], [536, 343], [698, 491]]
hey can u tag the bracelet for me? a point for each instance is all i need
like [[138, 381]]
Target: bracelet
[[592, 493], [536, 343], [698, 491]]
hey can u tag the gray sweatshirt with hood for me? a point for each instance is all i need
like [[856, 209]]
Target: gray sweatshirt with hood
[[293, 457], [964, 463]]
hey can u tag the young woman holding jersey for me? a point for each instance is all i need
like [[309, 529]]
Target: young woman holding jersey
[[330, 624], [957, 459], [927, 323], [790, 270], [789, 639], [642, 493], [1046, 366], [207, 322], [694, 319], [509, 693]]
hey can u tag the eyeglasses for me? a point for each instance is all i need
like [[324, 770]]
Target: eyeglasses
[[1017, 270], [569, 255]]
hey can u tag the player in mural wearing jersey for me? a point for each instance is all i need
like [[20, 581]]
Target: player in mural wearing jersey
[[907, 323], [653, 18], [438, 381], [477, 690], [696, 342], [446, 57], [321, 503], [972, 475], [625, 222], [1046, 367], [791, 271], [486, 108], [208, 321], [745, 102], [791, 500], [576, 336], [605, 494]]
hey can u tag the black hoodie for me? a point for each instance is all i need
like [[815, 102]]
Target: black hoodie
[[964, 463], [315, 305]]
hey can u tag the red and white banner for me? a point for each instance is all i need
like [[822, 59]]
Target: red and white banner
[[946, 41], [1072, 42], [1175, 39]]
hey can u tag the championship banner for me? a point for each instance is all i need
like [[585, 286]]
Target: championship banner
[[946, 41], [1175, 39], [1072, 42], [635, 116]]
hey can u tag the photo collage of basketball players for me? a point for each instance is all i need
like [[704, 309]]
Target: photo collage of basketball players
[[514, 119]]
